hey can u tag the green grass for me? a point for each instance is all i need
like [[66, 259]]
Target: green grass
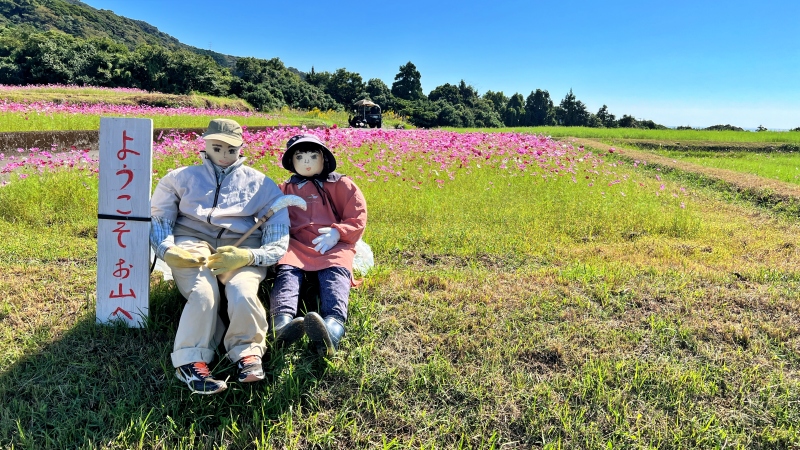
[[611, 134], [506, 311], [65, 121], [776, 165]]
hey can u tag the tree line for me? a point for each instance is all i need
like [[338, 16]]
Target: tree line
[[30, 56]]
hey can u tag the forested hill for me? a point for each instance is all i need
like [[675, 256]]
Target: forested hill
[[81, 20]]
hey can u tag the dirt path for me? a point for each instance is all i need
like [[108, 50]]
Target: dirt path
[[775, 194]]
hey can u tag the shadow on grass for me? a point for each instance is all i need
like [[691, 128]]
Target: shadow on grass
[[110, 386]]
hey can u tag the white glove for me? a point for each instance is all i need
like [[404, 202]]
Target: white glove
[[328, 237]]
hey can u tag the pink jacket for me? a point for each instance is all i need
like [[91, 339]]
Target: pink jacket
[[304, 225]]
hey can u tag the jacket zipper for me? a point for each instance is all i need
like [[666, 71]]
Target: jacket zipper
[[214, 206]]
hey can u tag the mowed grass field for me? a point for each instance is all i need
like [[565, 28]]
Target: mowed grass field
[[669, 136], [783, 166], [562, 299]]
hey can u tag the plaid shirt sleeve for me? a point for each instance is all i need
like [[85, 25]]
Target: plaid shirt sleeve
[[274, 243], [161, 237]]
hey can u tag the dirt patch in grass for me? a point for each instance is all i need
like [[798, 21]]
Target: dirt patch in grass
[[709, 146], [421, 260]]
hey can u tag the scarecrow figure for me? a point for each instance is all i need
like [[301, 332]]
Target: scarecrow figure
[[322, 245], [198, 213]]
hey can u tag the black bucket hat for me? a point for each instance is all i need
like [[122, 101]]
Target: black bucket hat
[[308, 142]]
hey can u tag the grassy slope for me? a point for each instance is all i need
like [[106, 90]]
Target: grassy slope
[[523, 314]]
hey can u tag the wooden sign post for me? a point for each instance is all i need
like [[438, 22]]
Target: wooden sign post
[[123, 225]]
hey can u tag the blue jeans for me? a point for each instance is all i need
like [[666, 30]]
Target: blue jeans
[[334, 291]]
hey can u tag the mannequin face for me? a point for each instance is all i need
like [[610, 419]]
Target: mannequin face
[[308, 163], [221, 153]]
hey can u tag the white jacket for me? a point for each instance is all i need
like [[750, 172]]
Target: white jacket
[[190, 197]]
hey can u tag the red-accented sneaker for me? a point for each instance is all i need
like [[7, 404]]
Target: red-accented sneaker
[[250, 369], [199, 379]]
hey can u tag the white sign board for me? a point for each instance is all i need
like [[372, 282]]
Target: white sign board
[[123, 225]]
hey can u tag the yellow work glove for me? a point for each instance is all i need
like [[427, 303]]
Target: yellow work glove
[[228, 258], [178, 257]]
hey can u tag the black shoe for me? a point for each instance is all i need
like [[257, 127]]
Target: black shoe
[[286, 330], [250, 369], [199, 379], [324, 334]]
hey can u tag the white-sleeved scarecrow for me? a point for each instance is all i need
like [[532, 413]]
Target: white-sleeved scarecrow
[[198, 213], [322, 242]]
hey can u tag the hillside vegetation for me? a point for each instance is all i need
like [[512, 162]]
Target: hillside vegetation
[[81, 20]]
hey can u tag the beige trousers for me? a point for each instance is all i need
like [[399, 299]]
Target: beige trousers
[[200, 328]]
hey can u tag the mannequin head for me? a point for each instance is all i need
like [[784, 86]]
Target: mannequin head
[[223, 141], [307, 156], [308, 162], [221, 153]]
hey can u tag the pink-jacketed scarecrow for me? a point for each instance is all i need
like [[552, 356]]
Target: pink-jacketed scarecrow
[[322, 246]]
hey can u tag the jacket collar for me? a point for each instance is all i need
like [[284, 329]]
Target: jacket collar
[[300, 180]]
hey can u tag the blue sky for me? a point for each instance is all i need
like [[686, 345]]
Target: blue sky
[[677, 62]]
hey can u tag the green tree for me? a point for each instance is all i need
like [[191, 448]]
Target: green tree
[[499, 101], [318, 79], [421, 113], [446, 92], [345, 87], [539, 109], [485, 114], [468, 95], [188, 72], [48, 58], [515, 111], [408, 83], [593, 121], [607, 119], [268, 84], [650, 125], [726, 127], [572, 112], [627, 121], [454, 115], [380, 93], [149, 68]]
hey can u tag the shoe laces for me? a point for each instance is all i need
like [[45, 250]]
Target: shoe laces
[[202, 369], [248, 360]]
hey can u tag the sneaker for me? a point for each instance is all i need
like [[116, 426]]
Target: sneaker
[[250, 369], [198, 377]]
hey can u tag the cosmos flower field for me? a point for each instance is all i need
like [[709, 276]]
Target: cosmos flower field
[[565, 180]]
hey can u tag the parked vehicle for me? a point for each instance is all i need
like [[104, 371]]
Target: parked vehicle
[[365, 114]]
